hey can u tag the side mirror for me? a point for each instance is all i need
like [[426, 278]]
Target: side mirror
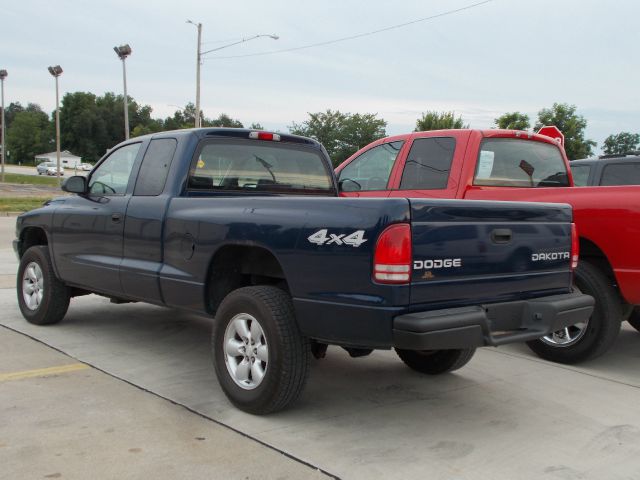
[[348, 185], [75, 184]]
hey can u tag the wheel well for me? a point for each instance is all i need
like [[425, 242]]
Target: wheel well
[[590, 252], [32, 236], [235, 266]]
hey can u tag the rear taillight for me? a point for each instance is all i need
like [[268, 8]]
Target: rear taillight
[[273, 137], [392, 258], [575, 247]]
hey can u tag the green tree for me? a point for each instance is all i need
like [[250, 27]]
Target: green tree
[[84, 128], [223, 120], [572, 125], [513, 121], [359, 130], [90, 125], [623, 142], [30, 134], [342, 134], [432, 120]]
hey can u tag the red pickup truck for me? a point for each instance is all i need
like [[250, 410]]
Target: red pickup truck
[[516, 165]]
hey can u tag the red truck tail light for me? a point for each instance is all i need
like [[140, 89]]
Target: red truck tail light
[[392, 257], [274, 137], [575, 247]]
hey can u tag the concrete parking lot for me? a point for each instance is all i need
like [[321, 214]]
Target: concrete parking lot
[[131, 393]]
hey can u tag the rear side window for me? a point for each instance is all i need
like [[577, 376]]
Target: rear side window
[[371, 170], [428, 164], [580, 175], [255, 166], [155, 167], [507, 162], [621, 174]]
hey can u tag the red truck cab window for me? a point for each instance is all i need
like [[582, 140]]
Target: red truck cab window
[[509, 162]]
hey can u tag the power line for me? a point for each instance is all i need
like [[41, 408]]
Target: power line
[[359, 35]]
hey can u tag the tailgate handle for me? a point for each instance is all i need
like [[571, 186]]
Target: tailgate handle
[[501, 235]]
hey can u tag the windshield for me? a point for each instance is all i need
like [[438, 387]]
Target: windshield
[[259, 166], [507, 162]]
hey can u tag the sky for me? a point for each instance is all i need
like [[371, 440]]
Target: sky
[[496, 57]]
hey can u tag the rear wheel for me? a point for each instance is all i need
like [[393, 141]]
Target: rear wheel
[[42, 298], [260, 357], [592, 338], [634, 318], [434, 362]]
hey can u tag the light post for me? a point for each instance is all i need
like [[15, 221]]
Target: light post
[[56, 72], [123, 51], [198, 63], [3, 75], [200, 54]]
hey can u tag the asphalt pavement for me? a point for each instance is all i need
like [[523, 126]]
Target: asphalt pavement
[[140, 392]]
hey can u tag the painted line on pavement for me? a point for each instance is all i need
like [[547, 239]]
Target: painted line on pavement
[[43, 372]]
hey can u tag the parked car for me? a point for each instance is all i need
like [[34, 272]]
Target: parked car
[[520, 166], [248, 227], [86, 167], [49, 168], [606, 170]]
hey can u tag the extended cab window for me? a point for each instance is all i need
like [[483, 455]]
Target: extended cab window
[[621, 174], [155, 167], [580, 175], [371, 170], [112, 175], [253, 166], [507, 162], [428, 164]]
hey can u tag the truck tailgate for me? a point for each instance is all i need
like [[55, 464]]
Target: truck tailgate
[[488, 251]]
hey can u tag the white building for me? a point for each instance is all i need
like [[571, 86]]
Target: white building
[[67, 159]]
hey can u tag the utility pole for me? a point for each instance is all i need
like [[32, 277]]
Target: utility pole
[[198, 62], [3, 75]]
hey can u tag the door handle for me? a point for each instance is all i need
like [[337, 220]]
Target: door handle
[[116, 217], [501, 235]]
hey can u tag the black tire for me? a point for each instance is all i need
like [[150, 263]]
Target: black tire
[[54, 301], [435, 362], [602, 328], [634, 318], [288, 352]]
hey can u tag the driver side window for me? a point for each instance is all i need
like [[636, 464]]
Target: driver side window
[[112, 176], [371, 170]]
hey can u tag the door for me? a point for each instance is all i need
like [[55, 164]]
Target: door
[[88, 229], [432, 166], [368, 174]]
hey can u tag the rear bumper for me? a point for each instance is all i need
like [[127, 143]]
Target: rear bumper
[[490, 325]]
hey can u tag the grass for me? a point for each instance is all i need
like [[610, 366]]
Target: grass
[[21, 204], [30, 179]]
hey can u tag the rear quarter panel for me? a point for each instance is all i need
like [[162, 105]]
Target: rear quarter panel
[[332, 272]]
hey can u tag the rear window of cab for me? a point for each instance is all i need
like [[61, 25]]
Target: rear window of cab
[[508, 162]]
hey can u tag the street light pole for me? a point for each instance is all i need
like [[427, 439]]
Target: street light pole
[[3, 75], [123, 51], [198, 63], [56, 72], [199, 55]]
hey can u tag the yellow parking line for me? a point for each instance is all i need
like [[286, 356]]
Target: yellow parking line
[[42, 372]]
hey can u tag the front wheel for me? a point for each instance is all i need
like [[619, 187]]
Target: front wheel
[[435, 362], [260, 357], [634, 318], [42, 298], [590, 339]]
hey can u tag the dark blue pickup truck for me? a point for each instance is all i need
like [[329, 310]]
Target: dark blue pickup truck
[[247, 226]]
